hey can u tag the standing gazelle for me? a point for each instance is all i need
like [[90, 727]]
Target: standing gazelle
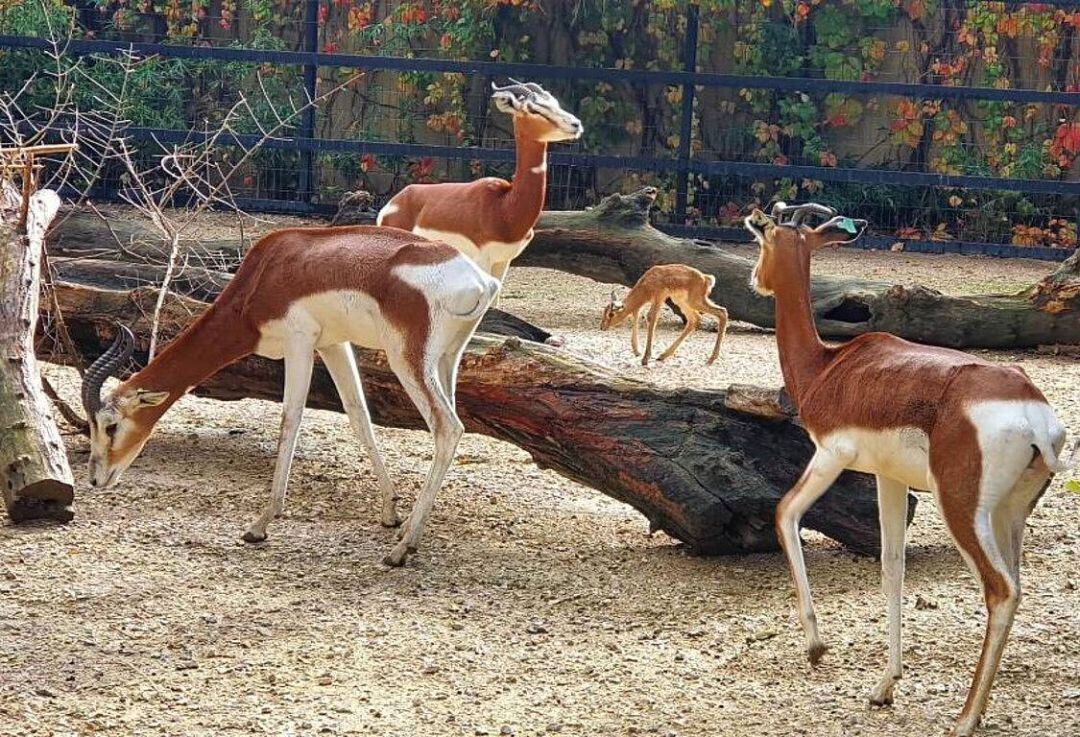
[[978, 435], [686, 287], [491, 220], [299, 291]]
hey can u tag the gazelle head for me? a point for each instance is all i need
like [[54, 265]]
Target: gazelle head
[[536, 112], [118, 427], [785, 239], [611, 309]]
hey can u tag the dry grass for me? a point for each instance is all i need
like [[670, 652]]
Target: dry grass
[[535, 606]]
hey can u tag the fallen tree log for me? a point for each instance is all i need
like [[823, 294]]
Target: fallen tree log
[[34, 472], [614, 242], [705, 473]]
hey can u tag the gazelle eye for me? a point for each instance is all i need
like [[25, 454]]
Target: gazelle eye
[[110, 429]]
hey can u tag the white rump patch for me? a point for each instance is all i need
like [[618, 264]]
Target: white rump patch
[[388, 209], [455, 288]]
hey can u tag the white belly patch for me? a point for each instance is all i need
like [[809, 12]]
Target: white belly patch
[[332, 317], [486, 255], [899, 453]]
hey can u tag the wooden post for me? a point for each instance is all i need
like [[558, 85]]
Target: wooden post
[[34, 474]]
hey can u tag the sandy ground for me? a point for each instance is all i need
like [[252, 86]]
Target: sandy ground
[[535, 606]]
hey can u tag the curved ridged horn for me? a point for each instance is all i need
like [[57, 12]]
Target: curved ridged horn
[[520, 88], [107, 364], [799, 212]]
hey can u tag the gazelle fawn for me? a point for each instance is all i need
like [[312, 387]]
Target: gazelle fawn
[[978, 435], [686, 287]]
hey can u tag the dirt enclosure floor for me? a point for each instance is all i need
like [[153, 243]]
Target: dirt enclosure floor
[[535, 606]]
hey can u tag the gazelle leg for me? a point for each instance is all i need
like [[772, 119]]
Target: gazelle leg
[[721, 315], [499, 271], [1002, 595], [424, 388], [985, 535], [654, 315], [449, 363], [892, 513], [636, 321], [299, 358], [819, 475], [341, 363], [693, 320]]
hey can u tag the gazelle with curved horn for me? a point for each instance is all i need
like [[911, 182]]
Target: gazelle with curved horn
[[491, 220], [978, 435], [298, 292]]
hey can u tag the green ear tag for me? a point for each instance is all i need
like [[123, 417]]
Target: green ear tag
[[849, 225]]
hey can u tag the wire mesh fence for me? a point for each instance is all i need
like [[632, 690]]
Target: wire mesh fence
[[949, 124]]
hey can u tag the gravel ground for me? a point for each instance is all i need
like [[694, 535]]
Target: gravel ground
[[535, 606]]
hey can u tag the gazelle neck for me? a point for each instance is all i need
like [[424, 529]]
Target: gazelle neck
[[212, 342], [529, 187], [802, 354]]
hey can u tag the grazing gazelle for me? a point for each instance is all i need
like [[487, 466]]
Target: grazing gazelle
[[491, 220], [297, 292], [685, 286], [978, 435]]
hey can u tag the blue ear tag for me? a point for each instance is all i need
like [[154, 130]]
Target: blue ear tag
[[848, 224]]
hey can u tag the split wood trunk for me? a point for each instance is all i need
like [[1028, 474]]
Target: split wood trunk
[[34, 472], [708, 467], [614, 242]]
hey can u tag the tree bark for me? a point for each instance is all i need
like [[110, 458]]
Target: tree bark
[[615, 243], [34, 472], [706, 473]]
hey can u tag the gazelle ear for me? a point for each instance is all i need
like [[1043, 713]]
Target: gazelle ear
[[147, 398], [837, 230], [507, 101], [759, 224]]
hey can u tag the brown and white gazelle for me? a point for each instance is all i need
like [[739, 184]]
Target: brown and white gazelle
[[297, 292], [978, 435], [686, 287], [491, 220]]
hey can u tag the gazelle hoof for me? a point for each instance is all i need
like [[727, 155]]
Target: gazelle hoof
[[815, 653], [396, 557], [881, 701], [390, 521], [882, 695], [253, 537]]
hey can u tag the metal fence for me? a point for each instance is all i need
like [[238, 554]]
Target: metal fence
[[683, 166]]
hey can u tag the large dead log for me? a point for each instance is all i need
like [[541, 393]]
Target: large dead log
[[615, 243], [34, 471], [706, 473]]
